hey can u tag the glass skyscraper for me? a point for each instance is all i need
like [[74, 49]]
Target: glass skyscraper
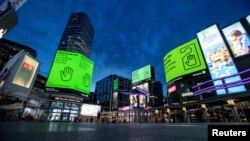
[[78, 34]]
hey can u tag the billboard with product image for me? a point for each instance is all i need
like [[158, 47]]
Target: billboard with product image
[[142, 101], [183, 60], [218, 58], [72, 71], [141, 74], [90, 110], [26, 72], [238, 39], [133, 100]]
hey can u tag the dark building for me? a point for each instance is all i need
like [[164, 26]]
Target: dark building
[[9, 48], [78, 34], [111, 98]]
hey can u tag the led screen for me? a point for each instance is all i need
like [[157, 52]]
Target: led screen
[[26, 72], [90, 110], [141, 74], [71, 70], [248, 18], [237, 39], [218, 58], [115, 100], [172, 89], [183, 60], [115, 86], [142, 101], [133, 100]]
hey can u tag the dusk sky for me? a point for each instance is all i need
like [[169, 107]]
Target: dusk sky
[[129, 34]]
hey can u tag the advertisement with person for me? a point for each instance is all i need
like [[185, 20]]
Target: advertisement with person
[[26, 72], [218, 58], [133, 100], [142, 101], [237, 39]]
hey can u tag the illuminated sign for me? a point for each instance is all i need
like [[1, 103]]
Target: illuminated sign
[[183, 60], [237, 39], [26, 72], [90, 110], [218, 58], [248, 18], [115, 100], [115, 86], [141, 74], [133, 100], [171, 89], [71, 70], [142, 101]]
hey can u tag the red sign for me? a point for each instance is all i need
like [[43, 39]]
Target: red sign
[[27, 66], [172, 89]]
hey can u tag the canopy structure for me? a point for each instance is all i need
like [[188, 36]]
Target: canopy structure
[[136, 91]]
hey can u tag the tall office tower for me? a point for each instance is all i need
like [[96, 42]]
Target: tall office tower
[[78, 35]]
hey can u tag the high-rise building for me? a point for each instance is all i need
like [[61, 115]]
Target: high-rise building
[[78, 34], [109, 94]]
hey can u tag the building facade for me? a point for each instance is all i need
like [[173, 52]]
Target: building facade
[[110, 96], [78, 35]]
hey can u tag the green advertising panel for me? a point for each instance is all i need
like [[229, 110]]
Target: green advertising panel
[[141, 74], [115, 87], [71, 70], [183, 60]]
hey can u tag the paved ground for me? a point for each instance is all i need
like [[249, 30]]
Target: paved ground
[[52, 131], [58, 131]]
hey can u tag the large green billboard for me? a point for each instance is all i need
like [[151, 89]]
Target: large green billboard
[[183, 60], [141, 74], [115, 86], [72, 71]]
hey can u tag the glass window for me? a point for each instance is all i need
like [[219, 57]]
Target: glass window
[[67, 105]]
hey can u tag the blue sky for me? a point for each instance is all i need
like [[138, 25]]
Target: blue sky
[[129, 34]]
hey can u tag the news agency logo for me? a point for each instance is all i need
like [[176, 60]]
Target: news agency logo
[[241, 132]]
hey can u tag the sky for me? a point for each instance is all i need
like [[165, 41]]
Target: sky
[[129, 34]]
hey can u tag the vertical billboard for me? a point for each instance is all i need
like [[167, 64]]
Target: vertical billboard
[[133, 100], [26, 72], [248, 19], [115, 100], [141, 74], [218, 58], [142, 101], [238, 39], [183, 60], [72, 71], [115, 85]]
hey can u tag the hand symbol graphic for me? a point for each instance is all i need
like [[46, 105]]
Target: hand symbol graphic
[[66, 74]]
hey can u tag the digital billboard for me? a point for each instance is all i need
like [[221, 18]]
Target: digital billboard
[[183, 60], [71, 70], [218, 58], [115, 100], [141, 74], [133, 100], [171, 89], [237, 39], [248, 18], [142, 101], [90, 110], [26, 72], [115, 85]]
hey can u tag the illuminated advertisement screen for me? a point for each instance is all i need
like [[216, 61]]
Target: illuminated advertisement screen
[[90, 110], [141, 74], [142, 101], [183, 60], [237, 39], [172, 89], [115, 100], [133, 100], [26, 72], [218, 59], [248, 18], [71, 70], [143, 86], [115, 86]]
